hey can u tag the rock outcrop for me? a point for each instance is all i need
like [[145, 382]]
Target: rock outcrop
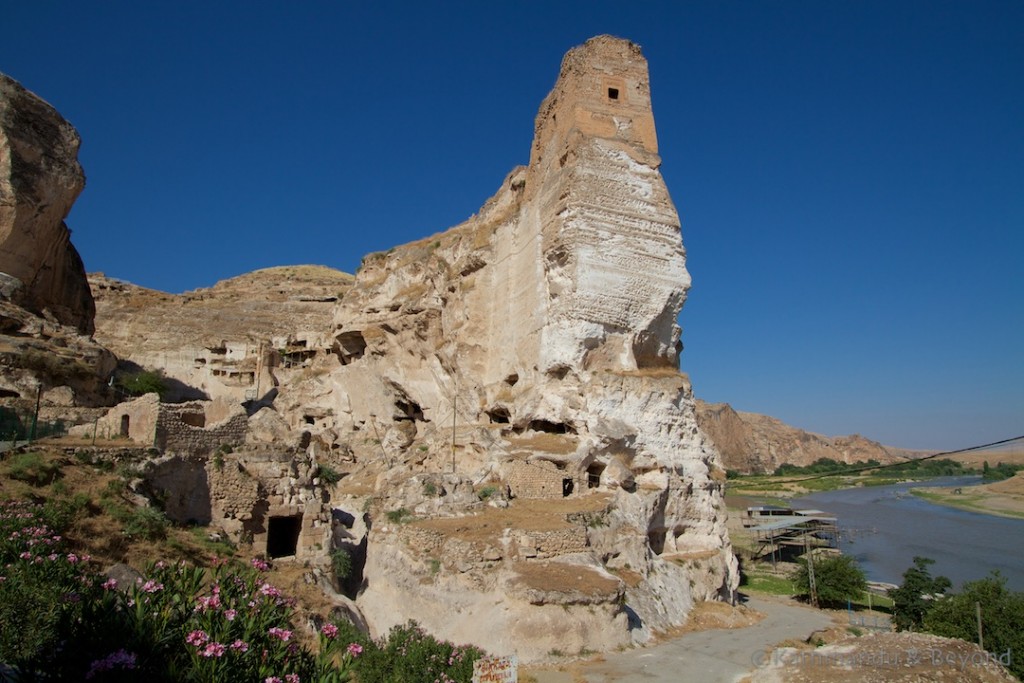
[[40, 178], [753, 443], [518, 447]]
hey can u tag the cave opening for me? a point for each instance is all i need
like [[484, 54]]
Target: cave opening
[[283, 535]]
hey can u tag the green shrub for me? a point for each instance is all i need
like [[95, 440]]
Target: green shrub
[[837, 579], [410, 655], [399, 516], [328, 475], [955, 616], [429, 489], [341, 563], [486, 492], [914, 597], [143, 382], [34, 469]]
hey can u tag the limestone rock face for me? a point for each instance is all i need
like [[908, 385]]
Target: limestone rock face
[[517, 446], [749, 442], [40, 178], [536, 346]]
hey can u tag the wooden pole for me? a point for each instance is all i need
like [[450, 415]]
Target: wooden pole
[[981, 642]]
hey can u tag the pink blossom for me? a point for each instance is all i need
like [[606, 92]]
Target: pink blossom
[[230, 614], [72, 558], [329, 630], [214, 649], [110, 584], [152, 586], [281, 633], [292, 678], [354, 649], [240, 646], [259, 564], [197, 638], [273, 679], [268, 590]]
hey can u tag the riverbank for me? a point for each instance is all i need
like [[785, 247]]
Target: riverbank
[[1002, 498]]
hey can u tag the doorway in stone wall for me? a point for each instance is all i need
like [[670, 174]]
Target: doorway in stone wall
[[283, 535], [125, 423]]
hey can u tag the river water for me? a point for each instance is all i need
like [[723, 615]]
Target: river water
[[884, 527]]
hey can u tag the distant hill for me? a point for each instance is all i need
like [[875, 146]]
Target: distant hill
[[751, 443]]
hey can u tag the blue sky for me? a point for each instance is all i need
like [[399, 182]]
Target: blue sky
[[850, 175]]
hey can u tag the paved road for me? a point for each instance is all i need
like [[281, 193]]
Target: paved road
[[715, 656]]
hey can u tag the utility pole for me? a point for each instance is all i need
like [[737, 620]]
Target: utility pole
[[810, 573]]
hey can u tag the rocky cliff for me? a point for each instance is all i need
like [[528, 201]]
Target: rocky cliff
[[40, 178], [46, 309], [753, 443], [519, 448]]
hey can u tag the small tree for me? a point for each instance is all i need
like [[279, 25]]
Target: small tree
[[912, 600], [837, 579], [956, 616], [144, 382]]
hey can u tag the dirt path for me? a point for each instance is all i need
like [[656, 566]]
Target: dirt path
[[719, 655]]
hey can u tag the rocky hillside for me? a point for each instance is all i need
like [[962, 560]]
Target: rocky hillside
[[753, 443], [208, 339]]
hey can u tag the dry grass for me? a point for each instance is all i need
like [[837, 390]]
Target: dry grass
[[559, 576], [528, 515]]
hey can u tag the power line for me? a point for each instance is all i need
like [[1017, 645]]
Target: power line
[[900, 464]]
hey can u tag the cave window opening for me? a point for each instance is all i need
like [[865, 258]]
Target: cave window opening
[[283, 535], [613, 93], [551, 427], [499, 415], [594, 475], [125, 423], [409, 410], [567, 487], [309, 419], [194, 419], [656, 539]]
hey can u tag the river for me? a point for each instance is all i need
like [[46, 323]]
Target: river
[[884, 527]]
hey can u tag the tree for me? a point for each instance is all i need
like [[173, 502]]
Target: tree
[[956, 616], [144, 382], [837, 579], [912, 600]]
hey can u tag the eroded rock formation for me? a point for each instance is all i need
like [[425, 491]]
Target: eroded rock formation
[[520, 450], [40, 178]]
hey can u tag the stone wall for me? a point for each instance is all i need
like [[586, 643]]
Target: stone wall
[[187, 428], [539, 479]]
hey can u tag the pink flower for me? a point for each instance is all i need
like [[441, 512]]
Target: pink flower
[[268, 590], [329, 630], [292, 678], [273, 679], [230, 614], [354, 649], [152, 586], [72, 558], [197, 638], [259, 564], [240, 646], [110, 584], [213, 650], [281, 633]]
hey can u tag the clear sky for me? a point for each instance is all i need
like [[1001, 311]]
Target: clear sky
[[849, 174]]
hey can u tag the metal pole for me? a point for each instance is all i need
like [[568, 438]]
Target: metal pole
[[981, 642], [35, 417]]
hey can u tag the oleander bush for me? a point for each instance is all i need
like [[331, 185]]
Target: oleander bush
[[63, 620]]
